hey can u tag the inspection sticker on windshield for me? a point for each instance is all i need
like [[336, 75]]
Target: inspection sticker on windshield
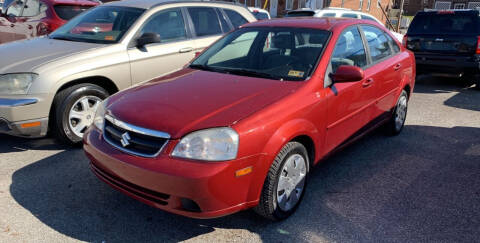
[[109, 37], [294, 73]]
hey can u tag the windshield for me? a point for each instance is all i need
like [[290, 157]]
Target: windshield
[[444, 23], [273, 53], [99, 25]]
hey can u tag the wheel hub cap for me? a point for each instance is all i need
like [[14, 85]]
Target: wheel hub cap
[[401, 112], [291, 182], [82, 113]]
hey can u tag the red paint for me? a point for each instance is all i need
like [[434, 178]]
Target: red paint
[[16, 28], [348, 74], [267, 114]]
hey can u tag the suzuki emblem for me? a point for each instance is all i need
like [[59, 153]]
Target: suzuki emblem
[[125, 139]]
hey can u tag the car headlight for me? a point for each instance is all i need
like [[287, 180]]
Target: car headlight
[[99, 119], [16, 83], [214, 144]]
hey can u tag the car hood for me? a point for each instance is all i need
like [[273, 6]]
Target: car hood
[[190, 100], [26, 55]]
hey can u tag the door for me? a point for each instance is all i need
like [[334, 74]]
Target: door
[[385, 68], [208, 25], [171, 54], [349, 104]]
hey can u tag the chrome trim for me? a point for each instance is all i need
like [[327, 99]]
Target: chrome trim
[[133, 128], [136, 129], [16, 102]]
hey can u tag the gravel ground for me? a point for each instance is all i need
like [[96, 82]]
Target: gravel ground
[[421, 186]]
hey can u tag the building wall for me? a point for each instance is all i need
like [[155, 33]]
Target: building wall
[[411, 7]]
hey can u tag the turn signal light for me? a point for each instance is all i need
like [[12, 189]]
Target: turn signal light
[[30, 124], [243, 171], [478, 45]]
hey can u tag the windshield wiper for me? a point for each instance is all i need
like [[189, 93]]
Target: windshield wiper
[[252, 73]]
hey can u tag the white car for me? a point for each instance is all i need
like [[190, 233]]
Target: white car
[[260, 13], [337, 13]]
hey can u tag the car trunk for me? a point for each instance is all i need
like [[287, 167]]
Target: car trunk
[[446, 33]]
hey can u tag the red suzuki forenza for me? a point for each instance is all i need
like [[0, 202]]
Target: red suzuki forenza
[[241, 126]]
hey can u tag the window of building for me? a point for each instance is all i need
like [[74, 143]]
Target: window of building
[[289, 5], [459, 6], [360, 7], [368, 5], [473, 5], [443, 5]]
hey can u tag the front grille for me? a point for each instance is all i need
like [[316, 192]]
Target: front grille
[[132, 139], [153, 196]]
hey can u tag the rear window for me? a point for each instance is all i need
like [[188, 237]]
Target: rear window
[[438, 23], [300, 14], [259, 15], [67, 12]]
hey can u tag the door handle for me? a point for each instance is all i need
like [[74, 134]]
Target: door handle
[[12, 25], [30, 27], [367, 83], [186, 49], [397, 67]]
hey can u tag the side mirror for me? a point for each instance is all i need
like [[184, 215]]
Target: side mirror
[[147, 38], [346, 74]]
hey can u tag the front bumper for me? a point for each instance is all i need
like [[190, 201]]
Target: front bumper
[[20, 117], [189, 188]]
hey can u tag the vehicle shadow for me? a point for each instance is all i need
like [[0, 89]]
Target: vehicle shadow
[[422, 185], [466, 98], [10, 144]]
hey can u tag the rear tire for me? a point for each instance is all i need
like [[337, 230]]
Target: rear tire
[[73, 111], [395, 125], [285, 184]]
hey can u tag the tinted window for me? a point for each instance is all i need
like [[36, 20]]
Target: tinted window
[[235, 18], [205, 21], [67, 12], [349, 15], [367, 17], [300, 14], [225, 26], [329, 15], [266, 52], [260, 15], [443, 23], [168, 24], [349, 50], [377, 43]]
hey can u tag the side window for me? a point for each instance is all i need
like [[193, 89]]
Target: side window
[[393, 44], [168, 24], [225, 26], [367, 17], [235, 18], [377, 43], [15, 9], [349, 15], [349, 50], [33, 8], [205, 20], [329, 15]]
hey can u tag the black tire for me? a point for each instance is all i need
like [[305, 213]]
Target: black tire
[[63, 102], [268, 206], [391, 127]]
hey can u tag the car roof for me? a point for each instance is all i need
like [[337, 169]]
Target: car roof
[[322, 23], [147, 4], [74, 2]]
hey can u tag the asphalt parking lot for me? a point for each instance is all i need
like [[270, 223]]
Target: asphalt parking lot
[[421, 186]]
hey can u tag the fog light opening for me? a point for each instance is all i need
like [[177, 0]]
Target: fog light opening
[[190, 205]]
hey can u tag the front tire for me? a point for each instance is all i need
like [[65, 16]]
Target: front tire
[[397, 121], [285, 184], [73, 111]]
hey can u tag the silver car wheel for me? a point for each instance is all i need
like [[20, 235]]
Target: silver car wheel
[[401, 112], [82, 113], [291, 182]]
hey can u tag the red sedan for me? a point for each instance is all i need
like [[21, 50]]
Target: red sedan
[[242, 125]]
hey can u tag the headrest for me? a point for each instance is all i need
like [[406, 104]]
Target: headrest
[[282, 42]]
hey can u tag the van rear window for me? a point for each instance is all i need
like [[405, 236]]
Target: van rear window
[[440, 23], [67, 12]]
